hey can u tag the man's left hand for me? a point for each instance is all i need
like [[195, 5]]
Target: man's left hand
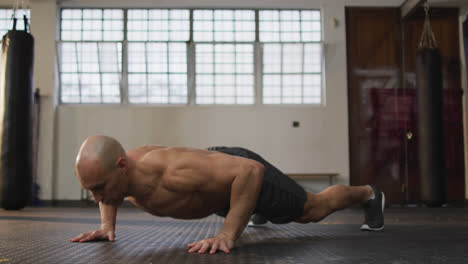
[[219, 242]]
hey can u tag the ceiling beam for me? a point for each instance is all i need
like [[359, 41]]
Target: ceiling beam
[[409, 7]]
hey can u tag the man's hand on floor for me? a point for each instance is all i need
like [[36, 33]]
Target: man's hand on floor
[[96, 235], [211, 245]]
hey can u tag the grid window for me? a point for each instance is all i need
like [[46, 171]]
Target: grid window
[[289, 25], [224, 25], [157, 72], [158, 25], [160, 56], [292, 73], [90, 55], [157, 55], [292, 56], [90, 72], [92, 24], [224, 74]]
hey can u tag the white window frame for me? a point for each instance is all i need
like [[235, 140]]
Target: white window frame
[[191, 89]]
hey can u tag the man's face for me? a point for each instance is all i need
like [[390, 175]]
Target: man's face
[[112, 192], [107, 187]]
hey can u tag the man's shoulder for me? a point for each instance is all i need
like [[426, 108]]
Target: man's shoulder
[[138, 153], [154, 154]]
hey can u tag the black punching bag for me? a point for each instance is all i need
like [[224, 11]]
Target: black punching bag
[[16, 118], [430, 119], [465, 41]]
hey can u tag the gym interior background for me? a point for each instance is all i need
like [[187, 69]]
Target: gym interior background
[[330, 93]]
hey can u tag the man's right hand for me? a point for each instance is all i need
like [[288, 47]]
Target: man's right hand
[[96, 235]]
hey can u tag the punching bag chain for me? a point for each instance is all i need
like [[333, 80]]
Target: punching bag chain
[[16, 4], [427, 37]]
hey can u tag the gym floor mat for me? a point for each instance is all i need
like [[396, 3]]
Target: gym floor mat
[[411, 235]]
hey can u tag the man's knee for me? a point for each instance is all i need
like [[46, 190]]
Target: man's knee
[[315, 209], [314, 215]]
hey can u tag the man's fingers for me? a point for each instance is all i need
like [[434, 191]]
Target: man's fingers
[[195, 247], [204, 248], [191, 244], [224, 248], [86, 239], [214, 247], [94, 235], [77, 238], [91, 236], [111, 236]]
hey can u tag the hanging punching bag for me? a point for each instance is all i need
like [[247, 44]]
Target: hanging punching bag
[[16, 118], [430, 119], [465, 41]]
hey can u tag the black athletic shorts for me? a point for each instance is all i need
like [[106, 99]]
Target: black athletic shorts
[[281, 199]]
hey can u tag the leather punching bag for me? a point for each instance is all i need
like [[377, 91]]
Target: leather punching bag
[[430, 126], [465, 41], [16, 118]]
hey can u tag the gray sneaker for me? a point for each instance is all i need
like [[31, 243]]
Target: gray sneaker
[[257, 220], [373, 210]]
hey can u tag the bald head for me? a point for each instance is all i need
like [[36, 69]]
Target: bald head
[[97, 155]]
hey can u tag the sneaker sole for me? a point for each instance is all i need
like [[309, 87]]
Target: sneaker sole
[[366, 227], [251, 224]]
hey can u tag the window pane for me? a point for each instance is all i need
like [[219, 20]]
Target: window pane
[[311, 25], [137, 88], [312, 87], [162, 72], [290, 25], [292, 56], [224, 74], [158, 25], [271, 88], [110, 59], [70, 88], [312, 58], [111, 88], [272, 58], [158, 88], [137, 57], [157, 54], [90, 72], [224, 25], [177, 54], [92, 24]]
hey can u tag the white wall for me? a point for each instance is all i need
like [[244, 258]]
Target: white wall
[[320, 144]]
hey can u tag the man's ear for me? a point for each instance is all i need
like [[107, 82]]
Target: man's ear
[[122, 163]]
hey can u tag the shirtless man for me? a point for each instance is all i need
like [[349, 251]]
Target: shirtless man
[[189, 183]]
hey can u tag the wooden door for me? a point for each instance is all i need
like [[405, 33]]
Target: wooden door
[[374, 82], [382, 100]]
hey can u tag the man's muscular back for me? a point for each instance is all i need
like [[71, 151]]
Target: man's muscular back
[[183, 182]]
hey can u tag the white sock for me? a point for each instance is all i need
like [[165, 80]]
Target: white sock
[[372, 196]]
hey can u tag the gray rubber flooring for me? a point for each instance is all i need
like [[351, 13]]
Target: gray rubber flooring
[[411, 235]]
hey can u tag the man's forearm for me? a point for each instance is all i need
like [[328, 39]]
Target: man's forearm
[[108, 215], [244, 194]]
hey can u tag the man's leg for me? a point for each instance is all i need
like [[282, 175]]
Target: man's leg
[[338, 197]]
